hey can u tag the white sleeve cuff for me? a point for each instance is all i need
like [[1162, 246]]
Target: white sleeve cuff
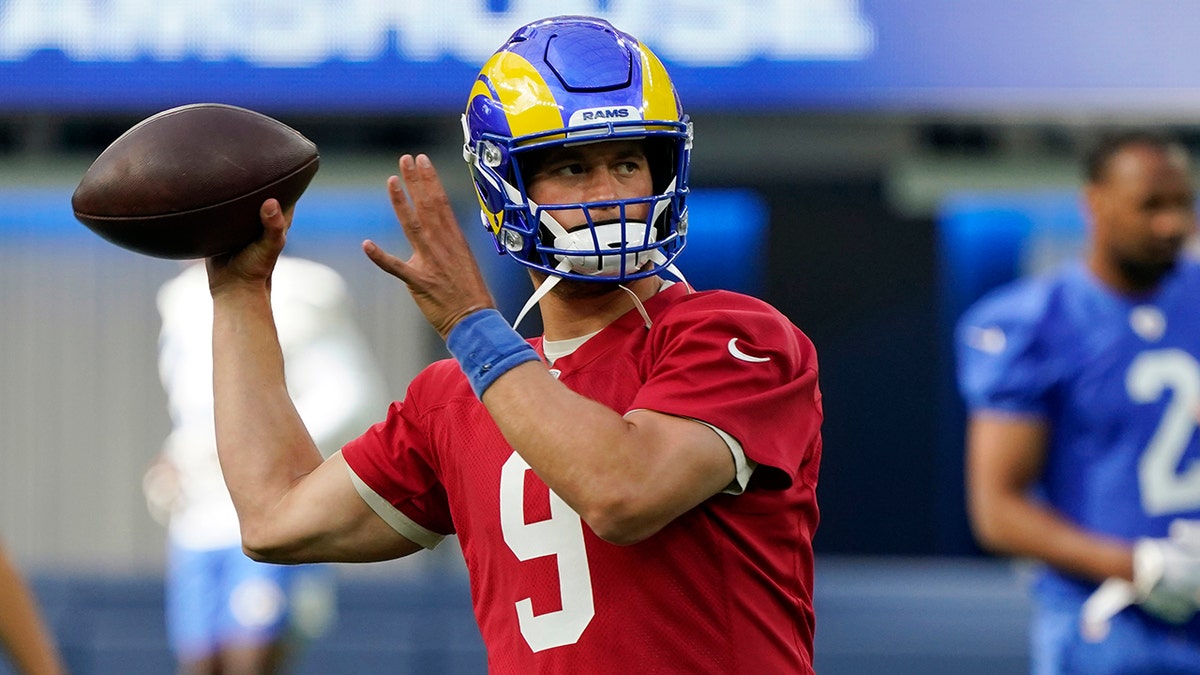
[[401, 523], [744, 466]]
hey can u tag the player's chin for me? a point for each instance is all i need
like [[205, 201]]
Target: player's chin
[[1165, 255], [596, 285], [578, 289], [1149, 271]]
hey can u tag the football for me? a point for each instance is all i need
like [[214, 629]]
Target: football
[[188, 182]]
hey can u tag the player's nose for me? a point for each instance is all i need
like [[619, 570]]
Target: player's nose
[[601, 186], [1174, 225]]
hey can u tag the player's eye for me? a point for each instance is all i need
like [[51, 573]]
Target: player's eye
[[566, 169], [631, 166]]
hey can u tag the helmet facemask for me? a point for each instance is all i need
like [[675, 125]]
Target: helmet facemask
[[615, 249]]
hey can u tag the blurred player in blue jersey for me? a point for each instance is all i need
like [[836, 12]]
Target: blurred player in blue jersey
[[1084, 395]]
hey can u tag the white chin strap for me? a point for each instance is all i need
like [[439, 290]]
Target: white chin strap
[[565, 265], [544, 288]]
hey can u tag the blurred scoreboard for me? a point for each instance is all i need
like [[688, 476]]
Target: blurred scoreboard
[[366, 56]]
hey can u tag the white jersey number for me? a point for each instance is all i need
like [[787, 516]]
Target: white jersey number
[[1152, 373], [560, 535]]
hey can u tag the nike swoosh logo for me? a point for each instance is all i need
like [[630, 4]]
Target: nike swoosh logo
[[743, 356]]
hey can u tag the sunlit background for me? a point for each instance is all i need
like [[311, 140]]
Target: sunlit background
[[868, 166]]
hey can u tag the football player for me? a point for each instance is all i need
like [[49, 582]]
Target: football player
[[634, 488], [1084, 388]]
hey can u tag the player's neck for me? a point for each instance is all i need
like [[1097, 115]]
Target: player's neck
[[577, 308]]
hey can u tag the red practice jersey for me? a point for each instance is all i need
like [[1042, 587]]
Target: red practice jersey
[[724, 588]]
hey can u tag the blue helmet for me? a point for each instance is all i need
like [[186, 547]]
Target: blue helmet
[[570, 80]]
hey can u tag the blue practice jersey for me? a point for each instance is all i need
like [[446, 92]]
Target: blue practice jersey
[[1116, 379]]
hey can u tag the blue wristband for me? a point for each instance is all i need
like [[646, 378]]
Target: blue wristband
[[486, 347]]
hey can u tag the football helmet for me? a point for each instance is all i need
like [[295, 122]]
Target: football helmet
[[572, 80]]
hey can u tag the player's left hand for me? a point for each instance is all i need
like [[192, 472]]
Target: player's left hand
[[442, 274], [254, 263]]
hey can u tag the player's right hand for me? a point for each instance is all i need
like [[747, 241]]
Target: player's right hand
[[255, 262], [1166, 572]]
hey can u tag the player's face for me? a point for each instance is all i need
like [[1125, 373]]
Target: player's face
[[1144, 212], [594, 172]]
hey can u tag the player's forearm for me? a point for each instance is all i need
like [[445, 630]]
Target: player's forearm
[[22, 633], [1019, 526], [598, 462], [261, 441]]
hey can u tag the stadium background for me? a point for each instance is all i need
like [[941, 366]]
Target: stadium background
[[867, 166]]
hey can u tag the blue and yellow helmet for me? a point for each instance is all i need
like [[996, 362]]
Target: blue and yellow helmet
[[575, 79]]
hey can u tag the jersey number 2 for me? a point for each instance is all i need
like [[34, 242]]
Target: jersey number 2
[[1164, 488], [560, 535]]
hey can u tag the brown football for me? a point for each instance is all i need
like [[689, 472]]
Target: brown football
[[188, 182]]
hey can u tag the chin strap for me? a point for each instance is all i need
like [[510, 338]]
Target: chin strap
[[637, 302], [565, 266], [545, 287]]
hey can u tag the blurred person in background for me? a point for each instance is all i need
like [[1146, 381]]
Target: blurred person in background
[[24, 636], [1083, 390], [225, 612], [635, 489]]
